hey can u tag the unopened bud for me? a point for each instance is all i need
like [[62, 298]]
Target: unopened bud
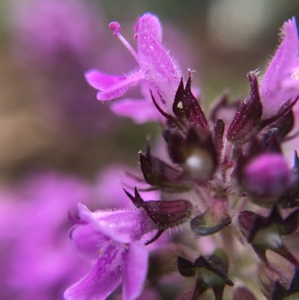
[[267, 176]]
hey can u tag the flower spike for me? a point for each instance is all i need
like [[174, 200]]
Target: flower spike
[[231, 164]]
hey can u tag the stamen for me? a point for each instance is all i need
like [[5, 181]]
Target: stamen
[[116, 28]]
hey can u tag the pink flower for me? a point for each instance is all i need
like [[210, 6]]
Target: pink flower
[[37, 260], [280, 82], [113, 240], [157, 72], [56, 41]]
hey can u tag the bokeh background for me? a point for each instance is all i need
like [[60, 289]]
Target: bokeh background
[[56, 138]]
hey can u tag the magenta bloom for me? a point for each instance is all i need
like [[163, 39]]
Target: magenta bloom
[[56, 41], [280, 82], [37, 260], [46, 31], [156, 72], [267, 175], [113, 240]]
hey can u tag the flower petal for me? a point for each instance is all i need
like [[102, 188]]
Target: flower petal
[[159, 69], [272, 93], [102, 81], [112, 86], [134, 268], [139, 110], [123, 226], [120, 87], [87, 240], [152, 23], [102, 280]]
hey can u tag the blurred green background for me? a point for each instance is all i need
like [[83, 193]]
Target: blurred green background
[[220, 39]]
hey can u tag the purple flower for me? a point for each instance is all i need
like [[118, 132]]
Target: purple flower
[[37, 261], [156, 72], [114, 240], [56, 41], [267, 175], [280, 82], [46, 30]]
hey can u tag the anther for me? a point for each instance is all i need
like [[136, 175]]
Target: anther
[[116, 28]]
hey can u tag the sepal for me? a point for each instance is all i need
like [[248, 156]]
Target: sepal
[[165, 214], [210, 272], [161, 175], [247, 118], [278, 285], [213, 219], [218, 136], [187, 109], [265, 233], [281, 292]]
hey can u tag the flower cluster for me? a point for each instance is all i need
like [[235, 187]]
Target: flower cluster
[[226, 184]]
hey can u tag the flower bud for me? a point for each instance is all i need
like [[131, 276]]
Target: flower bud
[[266, 176]]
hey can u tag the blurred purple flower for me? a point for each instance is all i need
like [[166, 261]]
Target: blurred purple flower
[[156, 72], [37, 260], [58, 41], [53, 27], [113, 239], [280, 82]]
